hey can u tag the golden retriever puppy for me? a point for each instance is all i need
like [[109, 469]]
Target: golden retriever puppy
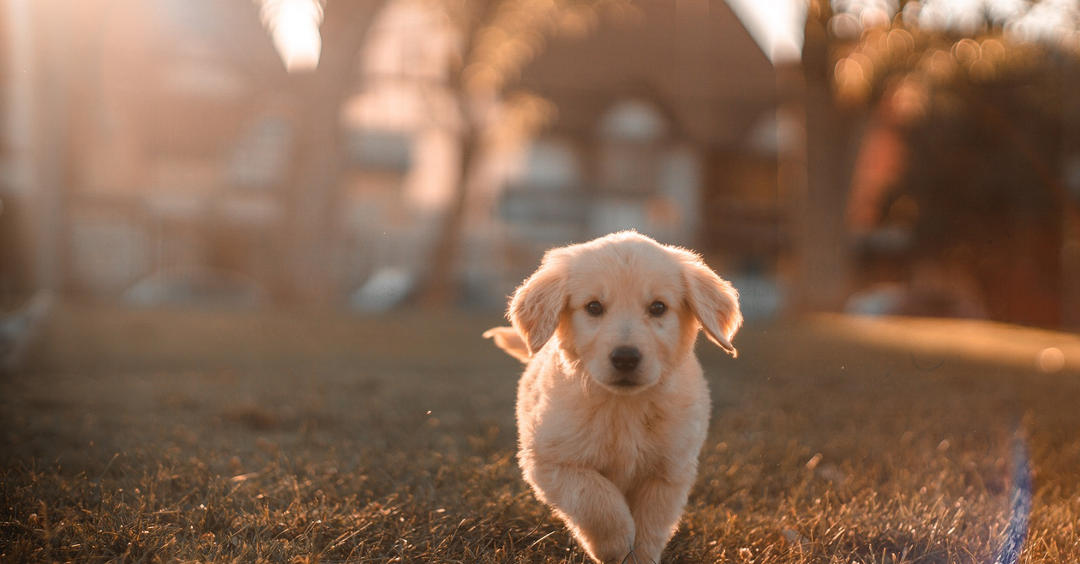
[[612, 409]]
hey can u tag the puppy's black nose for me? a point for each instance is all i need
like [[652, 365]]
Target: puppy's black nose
[[625, 359]]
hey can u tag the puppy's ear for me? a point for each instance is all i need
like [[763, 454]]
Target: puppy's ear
[[507, 339], [714, 301], [538, 302]]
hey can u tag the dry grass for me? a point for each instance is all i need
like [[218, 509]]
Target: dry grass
[[291, 437]]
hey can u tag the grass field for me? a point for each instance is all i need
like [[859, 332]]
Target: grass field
[[162, 436]]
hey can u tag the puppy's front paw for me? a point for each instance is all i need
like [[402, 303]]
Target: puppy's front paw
[[610, 544], [619, 553]]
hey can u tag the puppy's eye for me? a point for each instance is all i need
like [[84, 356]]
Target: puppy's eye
[[595, 308], [657, 308]]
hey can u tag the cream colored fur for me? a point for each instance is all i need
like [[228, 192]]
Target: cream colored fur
[[616, 462]]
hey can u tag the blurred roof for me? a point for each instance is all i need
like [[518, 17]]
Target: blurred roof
[[694, 59]]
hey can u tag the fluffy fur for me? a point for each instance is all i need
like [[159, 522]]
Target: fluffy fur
[[614, 452]]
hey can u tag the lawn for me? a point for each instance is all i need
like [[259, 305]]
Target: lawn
[[180, 435]]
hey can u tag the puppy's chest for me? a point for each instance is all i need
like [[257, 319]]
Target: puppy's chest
[[623, 444]]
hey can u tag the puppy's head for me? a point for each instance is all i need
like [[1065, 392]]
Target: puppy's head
[[625, 308]]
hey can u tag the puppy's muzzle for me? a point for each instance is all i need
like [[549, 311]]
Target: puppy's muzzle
[[625, 359]]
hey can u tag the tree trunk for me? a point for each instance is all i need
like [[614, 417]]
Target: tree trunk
[[1070, 160], [442, 286], [53, 40], [818, 178], [317, 163]]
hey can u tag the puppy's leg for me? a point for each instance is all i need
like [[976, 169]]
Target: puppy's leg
[[656, 505], [593, 508]]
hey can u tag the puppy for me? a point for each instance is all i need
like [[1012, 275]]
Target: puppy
[[612, 409]]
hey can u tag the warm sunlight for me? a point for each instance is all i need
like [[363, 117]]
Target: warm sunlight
[[776, 26], [464, 281], [294, 26]]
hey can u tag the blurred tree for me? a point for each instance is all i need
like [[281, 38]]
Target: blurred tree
[[826, 154], [47, 109], [498, 38], [317, 157], [956, 123]]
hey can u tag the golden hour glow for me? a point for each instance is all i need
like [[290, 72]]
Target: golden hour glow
[[294, 27], [774, 24], [256, 258]]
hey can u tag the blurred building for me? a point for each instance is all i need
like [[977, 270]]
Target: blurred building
[[662, 127], [160, 151], [153, 135], [164, 164]]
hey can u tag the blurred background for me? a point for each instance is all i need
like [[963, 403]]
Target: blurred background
[[869, 156]]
